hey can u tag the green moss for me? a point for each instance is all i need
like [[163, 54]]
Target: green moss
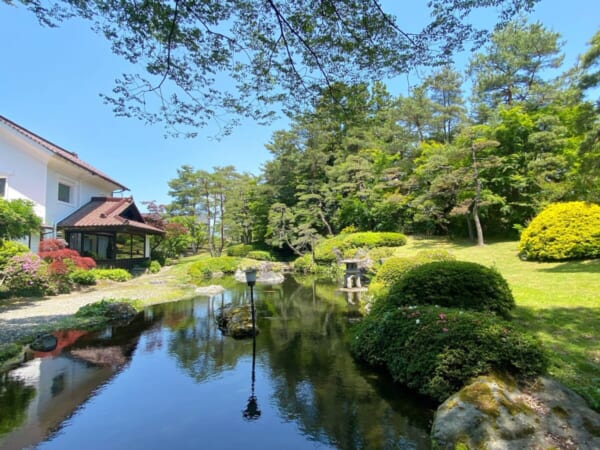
[[481, 396]]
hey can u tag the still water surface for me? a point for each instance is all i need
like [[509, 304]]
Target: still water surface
[[171, 380]]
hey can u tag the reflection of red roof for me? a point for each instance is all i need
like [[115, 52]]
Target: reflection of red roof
[[109, 212], [65, 338], [59, 151]]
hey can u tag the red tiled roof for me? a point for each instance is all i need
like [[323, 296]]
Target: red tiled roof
[[59, 151], [109, 212]]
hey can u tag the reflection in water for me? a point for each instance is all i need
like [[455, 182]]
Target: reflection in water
[[252, 412], [172, 380]]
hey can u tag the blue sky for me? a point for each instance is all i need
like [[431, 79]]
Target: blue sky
[[51, 79]]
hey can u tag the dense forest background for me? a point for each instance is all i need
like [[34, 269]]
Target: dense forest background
[[470, 153]]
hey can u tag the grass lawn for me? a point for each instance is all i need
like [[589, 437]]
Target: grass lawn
[[558, 302]]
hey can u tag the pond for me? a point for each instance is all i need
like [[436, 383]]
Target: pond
[[170, 379]]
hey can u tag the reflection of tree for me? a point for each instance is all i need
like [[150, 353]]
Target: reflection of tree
[[318, 384], [197, 344], [15, 397]]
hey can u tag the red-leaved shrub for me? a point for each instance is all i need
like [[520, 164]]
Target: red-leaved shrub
[[55, 250]]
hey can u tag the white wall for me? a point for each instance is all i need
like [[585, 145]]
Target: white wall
[[83, 185], [33, 172], [25, 170]]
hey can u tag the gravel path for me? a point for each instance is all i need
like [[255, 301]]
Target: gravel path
[[21, 317]]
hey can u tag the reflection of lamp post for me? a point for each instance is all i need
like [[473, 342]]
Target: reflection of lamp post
[[252, 412]]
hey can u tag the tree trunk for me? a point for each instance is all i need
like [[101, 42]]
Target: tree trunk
[[469, 227], [477, 199]]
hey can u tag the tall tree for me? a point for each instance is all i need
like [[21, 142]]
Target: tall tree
[[513, 67]]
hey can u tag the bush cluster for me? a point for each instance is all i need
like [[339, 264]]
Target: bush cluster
[[437, 350], [62, 262], [111, 309], [304, 264], [8, 249], [206, 267], [457, 284], [83, 277], [324, 250], [393, 269], [238, 250], [154, 267], [27, 275], [260, 255], [563, 231], [111, 274]]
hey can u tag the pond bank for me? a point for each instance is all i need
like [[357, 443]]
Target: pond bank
[[21, 318]]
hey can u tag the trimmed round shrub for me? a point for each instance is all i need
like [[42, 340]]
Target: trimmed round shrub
[[120, 275], [563, 231], [8, 249], [154, 267], [260, 255], [379, 253], [239, 250], [305, 264], [226, 264], [393, 269], [324, 250], [457, 284], [83, 277], [438, 350]]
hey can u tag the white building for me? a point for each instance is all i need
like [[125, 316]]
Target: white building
[[62, 186]]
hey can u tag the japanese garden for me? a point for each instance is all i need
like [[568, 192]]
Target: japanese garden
[[427, 262]]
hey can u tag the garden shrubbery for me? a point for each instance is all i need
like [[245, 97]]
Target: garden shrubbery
[[83, 277], [305, 264], [8, 249], [394, 268], [324, 250], [437, 350], [239, 250], [206, 267], [112, 274], [563, 231], [457, 284], [154, 267], [260, 255], [27, 275]]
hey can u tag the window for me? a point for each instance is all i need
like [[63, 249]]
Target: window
[[64, 192], [2, 187]]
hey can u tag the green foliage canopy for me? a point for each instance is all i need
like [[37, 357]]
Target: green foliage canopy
[[17, 218], [272, 51]]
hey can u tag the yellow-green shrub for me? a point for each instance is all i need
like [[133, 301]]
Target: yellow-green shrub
[[563, 231], [344, 242]]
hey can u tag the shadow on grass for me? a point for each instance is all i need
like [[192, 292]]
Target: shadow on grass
[[590, 266], [571, 336]]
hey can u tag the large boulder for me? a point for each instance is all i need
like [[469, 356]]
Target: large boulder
[[236, 321], [497, 415], [264, 275]]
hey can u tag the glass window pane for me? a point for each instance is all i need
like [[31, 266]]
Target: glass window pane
[[64, 193], [2, 187]]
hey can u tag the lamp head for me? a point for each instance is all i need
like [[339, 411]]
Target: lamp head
[[250, 276]]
